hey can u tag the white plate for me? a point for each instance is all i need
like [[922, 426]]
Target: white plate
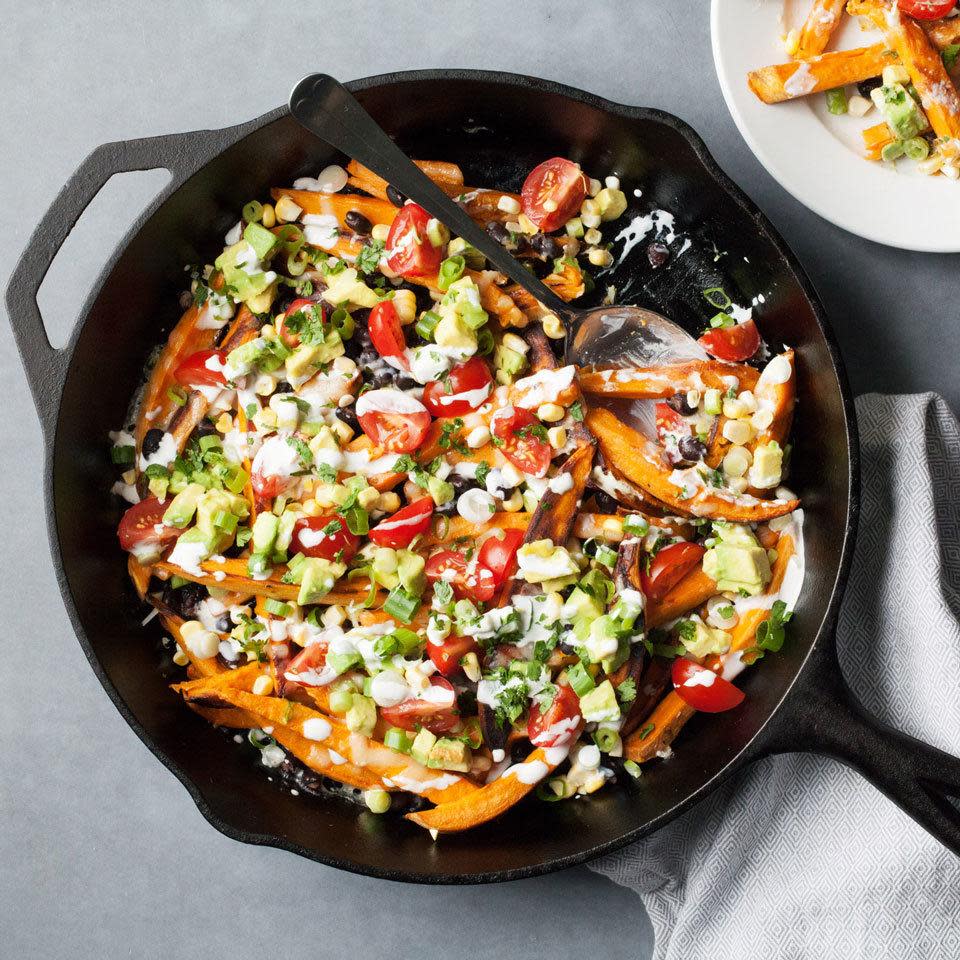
[[818, 157]]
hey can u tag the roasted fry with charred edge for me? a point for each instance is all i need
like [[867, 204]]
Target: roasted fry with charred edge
[[821, 23], [773, 84], [672, 713], [652, 383], [447, 176], [640, 460]]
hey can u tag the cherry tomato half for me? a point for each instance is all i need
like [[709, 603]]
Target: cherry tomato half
[[273, 467], [304, 669], [499, 556], [448, 653], [290, 337], [669, 421], [409, 250], [669, 567], [317, 537], [386, 331], [703, 689], [927, 9], [466, 387], [476, 584], [557, 726], [437, 713], [202, 369], [515, 428], [736, 343], [553, 192], [408, 522], [142, 526], [393, 420]]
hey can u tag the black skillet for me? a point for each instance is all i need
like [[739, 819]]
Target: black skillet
[[496, 126]]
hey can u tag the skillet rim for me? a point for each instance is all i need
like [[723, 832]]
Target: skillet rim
[[822, 641]]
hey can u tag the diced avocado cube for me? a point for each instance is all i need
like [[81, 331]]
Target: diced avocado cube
[[619, 658], [242, 359], [734, 534], [341, 662], [901, 112], [737, 568], [453, 330], [362, 715], [410, 570], [347, 287], [441, 491], [767, 467], [706, 640], [265, 530], [423, 743], [261, 239], [243, 285], [600, 704], [582, 609], [508, 361], [210, 505], [447, 754], [317, 577], [183, 506], [288, 520], [261, 303], [601, 641], [384, 567], [304, 360]]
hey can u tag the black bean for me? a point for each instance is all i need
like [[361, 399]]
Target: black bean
[[184, 600], [283, 387], [498, 231], [460, 485], [692, 449], [395, 196], [358, 223], [368, 358], [679, 403], [405, 382], [382, 377], [348, 416], [658, 254], [223, 623], [151, 441], [204, 429], [545, 246], [605, 503], [866, 87]]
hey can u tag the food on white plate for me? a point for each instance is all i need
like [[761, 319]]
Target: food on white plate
[[398, 541], [902, 88]]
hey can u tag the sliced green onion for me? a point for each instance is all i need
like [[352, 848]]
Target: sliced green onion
[[721, 320], [258, 564], [717, 297], [606, 739], [553, 790], [358, 523], [177, 395], [451, 270], [892, 151], [237, 480], [177, 582], [209, 442], [290, 237], [295, 265], [579, 679], [253, 212], [632, 769], [485, 343], [122, 455], [277, 607], [343, 323], [401, 605], [916, 148], [223, 520], [341, 697], [636, 525], [427, 324], [472, 315], [259, 739], [837, 100]]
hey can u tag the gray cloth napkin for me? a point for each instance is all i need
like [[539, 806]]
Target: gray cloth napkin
[[799, 857]]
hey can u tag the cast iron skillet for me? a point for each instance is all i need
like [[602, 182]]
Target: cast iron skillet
[[496, 126]]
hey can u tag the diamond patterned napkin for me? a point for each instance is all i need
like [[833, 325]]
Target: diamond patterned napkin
[[799, 857]]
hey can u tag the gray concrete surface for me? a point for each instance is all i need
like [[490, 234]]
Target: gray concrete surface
[[101, 851]]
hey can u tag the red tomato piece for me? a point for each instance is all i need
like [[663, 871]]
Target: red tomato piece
[[499, 556], [669, 421], [669, 567], [409, 250], [734, 344], [290, 337], [448, 653], [410, 521], [202, 369], [437, 712], [304, 669], [311, 539], [927, 9], [477, 583], [515, 428], [553, 192], [703, 689], [393, 420], [466, 387], [386, 331], [558, 724], [142, 526], [273, 467]]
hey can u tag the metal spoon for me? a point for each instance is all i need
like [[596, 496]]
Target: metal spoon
[[601, 336]]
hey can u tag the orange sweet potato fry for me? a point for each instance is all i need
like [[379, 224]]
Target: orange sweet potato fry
[[821, 23], [339, 205], [652, 383]]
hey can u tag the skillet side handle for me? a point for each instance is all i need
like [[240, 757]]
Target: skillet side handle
[[46, 368], [824, 716]]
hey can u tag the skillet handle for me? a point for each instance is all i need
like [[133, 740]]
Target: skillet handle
[[824, 716], [46, 367]]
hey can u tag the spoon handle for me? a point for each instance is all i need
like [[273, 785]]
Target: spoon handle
[[327, 109]]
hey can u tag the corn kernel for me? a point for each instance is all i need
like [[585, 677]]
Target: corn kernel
[[895, 73], [311, 508], [527, 225], [333, 616], [512, 342], [265, 384], [129, 477], [471, 667], [513, 503], [550, 412], [736, 462], [737, 431], [612, 528], [734, 409], [368, 497], [269, 217], [269, 331], [508, 204], [593, 235], [612, 183], [791, 42], [388, 502], [411, 491], [553, 327], [265, 419], [180, 658], [325, 494], [224, 423], [380, 231], [737, 485], [590, 220], [263, 685], [951, 171], [931, 165], [557, 437], [600, 257], [342, 431], [478, 437], [594, 187], [590, 207], [762, 419], [693, 398], [513, 227], [858, 106], [200, 641], [286, 210], [405, 302]]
